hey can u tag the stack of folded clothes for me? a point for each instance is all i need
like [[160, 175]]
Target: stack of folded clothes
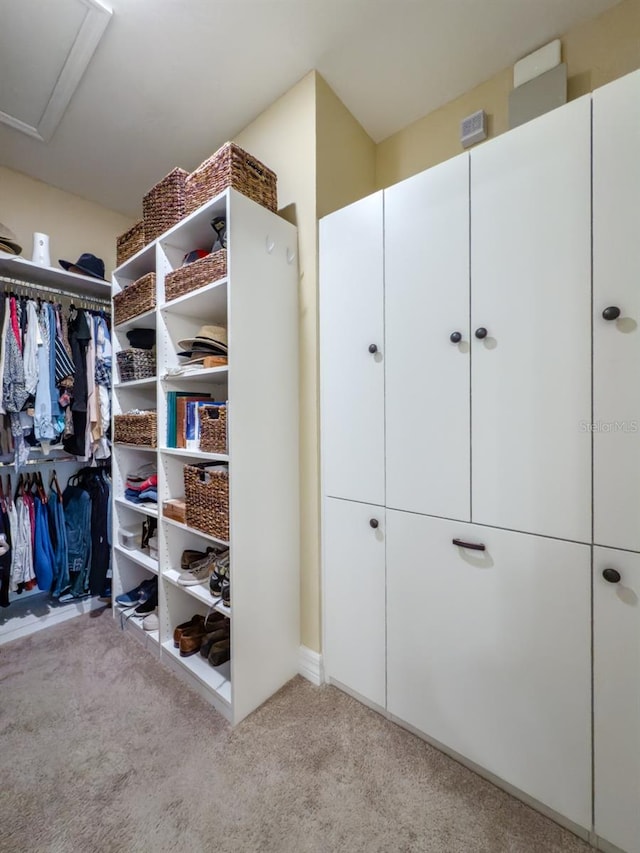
[[142, 484]]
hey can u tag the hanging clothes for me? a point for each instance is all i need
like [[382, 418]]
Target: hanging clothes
[[77, 517], [58, 535]]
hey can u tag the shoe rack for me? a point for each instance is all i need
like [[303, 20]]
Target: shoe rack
[[257, 301]]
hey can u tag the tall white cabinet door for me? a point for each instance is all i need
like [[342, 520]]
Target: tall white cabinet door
[[488, 652], [616, 295], [354, 597], [531, 299], [351, 351], [616, 667], [427, 341]]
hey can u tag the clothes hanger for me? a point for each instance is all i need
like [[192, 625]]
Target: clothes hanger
[[3, 502], [9, 493], [53, 484], [19, 487]]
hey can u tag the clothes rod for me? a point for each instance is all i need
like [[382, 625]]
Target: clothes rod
[[23, 286]]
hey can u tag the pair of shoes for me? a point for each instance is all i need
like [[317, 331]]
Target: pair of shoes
[[220, 652], [221, 632], [198, 571], [188, 557], [151, 622], [194, 622], [138, 594]]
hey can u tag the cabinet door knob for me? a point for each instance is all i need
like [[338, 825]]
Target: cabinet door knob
[[473, 546], [611, 313], [455, 337], [481, 333], [612, 575], [373, 522], [373, 349]]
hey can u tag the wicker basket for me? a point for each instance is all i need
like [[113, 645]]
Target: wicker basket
[[232, 167], [192, 276], [136, 429], [213, 429], [136, 364], [130, 242], [164, 204], [207, 502], [138, 297]]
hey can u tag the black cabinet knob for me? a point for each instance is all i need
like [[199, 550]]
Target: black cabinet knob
[[455, 337], [612, 575], [373, 349], [373, 522], [611, 313], [481, 333]]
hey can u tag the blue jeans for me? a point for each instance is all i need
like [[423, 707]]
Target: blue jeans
[[77, 516], [58, 533], [43, 559]]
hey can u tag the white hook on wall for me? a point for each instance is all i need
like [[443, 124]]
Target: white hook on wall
[[291, 255], [271, 244]]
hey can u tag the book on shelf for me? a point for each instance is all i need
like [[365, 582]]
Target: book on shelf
[[176, 415]]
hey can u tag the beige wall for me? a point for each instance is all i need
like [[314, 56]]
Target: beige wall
[[596, 52], [73, 224]]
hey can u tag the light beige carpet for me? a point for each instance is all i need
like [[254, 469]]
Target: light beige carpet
[[102, 750]]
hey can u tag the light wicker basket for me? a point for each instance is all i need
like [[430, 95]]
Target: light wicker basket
[[136, 364], [231, 166], [130, 242], [213, 429], [207, 503], [197, 274], [139, 429], [138, 297], [164, 204]]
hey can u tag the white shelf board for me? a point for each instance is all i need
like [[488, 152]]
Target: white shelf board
[[193, 530], [24, 270], [195, 454], [135, 383], [134, 624], [199, 591], [145, 320], [139, 557], [216, 678], [144, 509], [195, 229], [137, 265], [120, 445], [208, 375], [206, 302]]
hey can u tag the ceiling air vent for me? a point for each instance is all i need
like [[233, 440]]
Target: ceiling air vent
[[473, 128]]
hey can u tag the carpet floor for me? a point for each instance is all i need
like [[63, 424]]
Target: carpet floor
[[103, 750]]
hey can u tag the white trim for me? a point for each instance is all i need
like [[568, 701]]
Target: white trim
[[24, 618], [310, 666], [84, 46]]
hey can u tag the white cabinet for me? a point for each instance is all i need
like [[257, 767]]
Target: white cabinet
[[426, 240], [354, 597], [616, 676], [352, 344], [530, 292], [489, 652], [616, 341]]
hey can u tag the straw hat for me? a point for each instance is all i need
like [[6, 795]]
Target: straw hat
[[210, 339], [8, 242]]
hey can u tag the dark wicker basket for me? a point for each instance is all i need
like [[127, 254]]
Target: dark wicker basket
[[164, 204], [136, 364], [232, 167], [138, 297], [130, 242], [207, 502], [192, 276], [136, 429], [213, 429]]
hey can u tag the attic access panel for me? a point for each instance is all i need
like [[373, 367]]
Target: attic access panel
[[45, 49]]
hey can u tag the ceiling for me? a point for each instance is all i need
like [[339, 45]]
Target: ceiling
[[171, 80]]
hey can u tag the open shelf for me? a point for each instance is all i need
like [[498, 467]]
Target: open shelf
[[139, 557], [134, 624], [216, 678], [145, 320], [23, 270], [198, 591], [195, 454], [135, 383], [137, 265], [193, 530], [144, 509], [207, 301], [123, 446], [208, 375]]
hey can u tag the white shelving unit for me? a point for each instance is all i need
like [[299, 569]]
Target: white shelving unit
[[257, 302]]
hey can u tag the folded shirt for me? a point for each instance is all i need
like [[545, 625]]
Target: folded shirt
[[150, 483], [141, 497]]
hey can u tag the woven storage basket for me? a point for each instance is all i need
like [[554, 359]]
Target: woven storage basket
[[138, 297], [130, 242], [232, 167], [207, 503], [164, 204], [213, 429], [136, 364], [136, 429], [198, 274]]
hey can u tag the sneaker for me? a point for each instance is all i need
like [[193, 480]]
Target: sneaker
[[188, 557], [147, 607], [197, 572], [151, 622], [139, 594]]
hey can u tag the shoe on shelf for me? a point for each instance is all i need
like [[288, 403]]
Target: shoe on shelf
[[213, 621], [189, 557], [151, 622], [191, 641], [220, 652], [197, 573], [192, 623], [139, 594], [215, 637], [148, 606], [226, 593]]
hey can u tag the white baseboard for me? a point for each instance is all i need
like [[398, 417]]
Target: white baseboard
[[36, 612], [310, 666]]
